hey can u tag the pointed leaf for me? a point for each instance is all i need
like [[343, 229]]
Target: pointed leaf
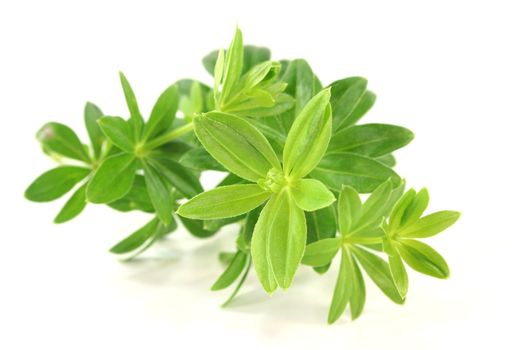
[[113, 179], [232, 272], [136, 118], [423, 258], [430, 225], [379, 272], [399, 273], [341, 294], [163, 113], [73, 206], [223, 202], [236, 144], [159, 193], [178, 176], [350, 101], [55, 183], [357, 288], [416, 208], [372, 140], [308, 137], [399, 209], [321, 252], [362, 173], [232, 65], [349, 209], [118, 131], [311, 195], [91, 114], [287, 243]]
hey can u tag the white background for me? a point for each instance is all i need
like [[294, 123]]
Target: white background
[[451, 71]]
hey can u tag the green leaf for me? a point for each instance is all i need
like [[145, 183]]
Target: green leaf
[[249, 225], [430, 225], [61, 139], [159, 193], [55, 183], [372, 140], [308, 137], [196, 227], [217, 224], [321, 224], [362, 173], [379, 272], [321, 252], [376, 205], [178, 176], [399, 273], [199, 159], [163, 113], [350, 101], [91, 114], [357, 288], [113, 179], [388, 159], [137, 238], [399, 209], [423, 258], [73, 206], [349, 209], [144, 237], [341, 295], [232, 65], [236, 144], [218, 74], [287, 241], [270, 219], [136, 199], [232, 272], [416, 208], [311, 195], [118, 131], [136, 118], [252, 56], [302, 84], [223, 202], [239, 285]]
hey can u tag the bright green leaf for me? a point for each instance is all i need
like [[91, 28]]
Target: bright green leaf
[[225, 201], [349, 209], [163, 113], [321, 252], [232, 272], [423, 258], [308, 137], [61, 139], [91, 114], [136, 118], [55, 183], [430, 225], [73, 206], [113, 179], [341, 295], [118, 131], [311, 195], [159, 193]]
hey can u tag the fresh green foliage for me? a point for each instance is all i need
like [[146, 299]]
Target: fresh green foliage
[[287, 146]]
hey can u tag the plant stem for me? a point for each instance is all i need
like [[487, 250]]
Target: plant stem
[[169, 136]]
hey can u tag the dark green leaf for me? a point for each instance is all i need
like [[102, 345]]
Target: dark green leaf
[[372, 140], [159, 193], [196, 227], [178, 176], [362, 173], [232, 272], [350, 101], [136, 199]]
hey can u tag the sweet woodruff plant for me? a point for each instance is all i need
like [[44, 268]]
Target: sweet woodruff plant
[[296, 164]]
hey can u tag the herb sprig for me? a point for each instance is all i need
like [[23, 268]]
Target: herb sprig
[[296, 166]]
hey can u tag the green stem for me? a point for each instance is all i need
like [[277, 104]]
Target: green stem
[[169, 136]]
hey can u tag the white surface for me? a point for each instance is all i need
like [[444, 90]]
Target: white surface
[[452, 71]]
